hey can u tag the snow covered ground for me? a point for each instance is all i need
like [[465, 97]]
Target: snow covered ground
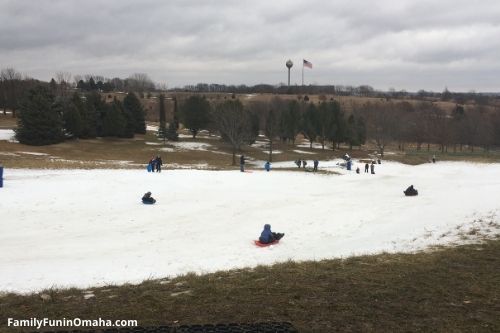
[[61, 228], [7, 135]]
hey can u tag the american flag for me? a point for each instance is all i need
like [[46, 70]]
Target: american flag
[[307, 64]]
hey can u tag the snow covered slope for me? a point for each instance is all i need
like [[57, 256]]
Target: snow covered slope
[[82, 228]]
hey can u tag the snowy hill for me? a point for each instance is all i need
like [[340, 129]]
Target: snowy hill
[[88, 227]]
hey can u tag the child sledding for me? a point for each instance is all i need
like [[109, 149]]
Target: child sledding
[[267, 237], [410, 191], [148, 199]]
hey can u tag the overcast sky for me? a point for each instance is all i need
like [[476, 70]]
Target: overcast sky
[[412, 45]]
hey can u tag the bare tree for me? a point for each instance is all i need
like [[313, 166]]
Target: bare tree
[[11, 84], [381, 121], [140, 82], [234, 123]]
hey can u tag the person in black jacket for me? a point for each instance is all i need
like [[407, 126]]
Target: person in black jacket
[[147, 198], [158, 163], [242, 163], [410, 191]]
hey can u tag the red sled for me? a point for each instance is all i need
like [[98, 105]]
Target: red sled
[[259, 244]]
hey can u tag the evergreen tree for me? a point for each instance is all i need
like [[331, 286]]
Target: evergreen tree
[[195, 114], [113, 122], [99, 108], [92, 85], [132, 104], [291, 121], [338, 134], [326, 120], [73, 123], [88, 116], [53, 86], [39, 122], [128, 131]]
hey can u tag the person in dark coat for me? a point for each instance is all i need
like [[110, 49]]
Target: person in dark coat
[[367, 167], [357, 170], [433, 158], [372, 167], [147, 198], [304, 163], [159, 163], [242, 163], [298, 163], [410, 191], [267, 166], [267, 236], [316, 163]]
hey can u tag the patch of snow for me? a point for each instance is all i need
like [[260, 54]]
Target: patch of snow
[[303, 152], [153, 128], [56, 222], [153, 143], [315, 145], [32, 153], [190, 145], [7, 135]]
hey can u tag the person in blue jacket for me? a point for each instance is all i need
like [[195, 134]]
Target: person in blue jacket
[[267, 166], [267, 236]]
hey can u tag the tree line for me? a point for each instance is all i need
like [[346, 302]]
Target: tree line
[[277, 119], [426, 123], [46, 118]]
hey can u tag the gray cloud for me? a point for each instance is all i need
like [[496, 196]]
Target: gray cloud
[[413, 44]]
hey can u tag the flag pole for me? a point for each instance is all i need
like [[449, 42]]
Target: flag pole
[[302, 72]]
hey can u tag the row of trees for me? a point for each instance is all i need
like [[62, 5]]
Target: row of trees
[[47, 119], [426, 123], [278, 119]]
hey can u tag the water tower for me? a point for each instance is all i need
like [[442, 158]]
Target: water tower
[[289, 65]]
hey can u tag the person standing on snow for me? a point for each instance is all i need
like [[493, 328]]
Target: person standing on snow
[[372, 167], [159, 163], [267, 166], [316, 163], [242, 163], [366, 167]]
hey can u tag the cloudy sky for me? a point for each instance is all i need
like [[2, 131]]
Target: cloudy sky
[[406, 44]]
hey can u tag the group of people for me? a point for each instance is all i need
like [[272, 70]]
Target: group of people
[[303, 163], [155, 163], [369, 168]]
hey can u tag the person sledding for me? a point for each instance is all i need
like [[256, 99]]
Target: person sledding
[[410, 191], [148, 199], [268, 237]]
